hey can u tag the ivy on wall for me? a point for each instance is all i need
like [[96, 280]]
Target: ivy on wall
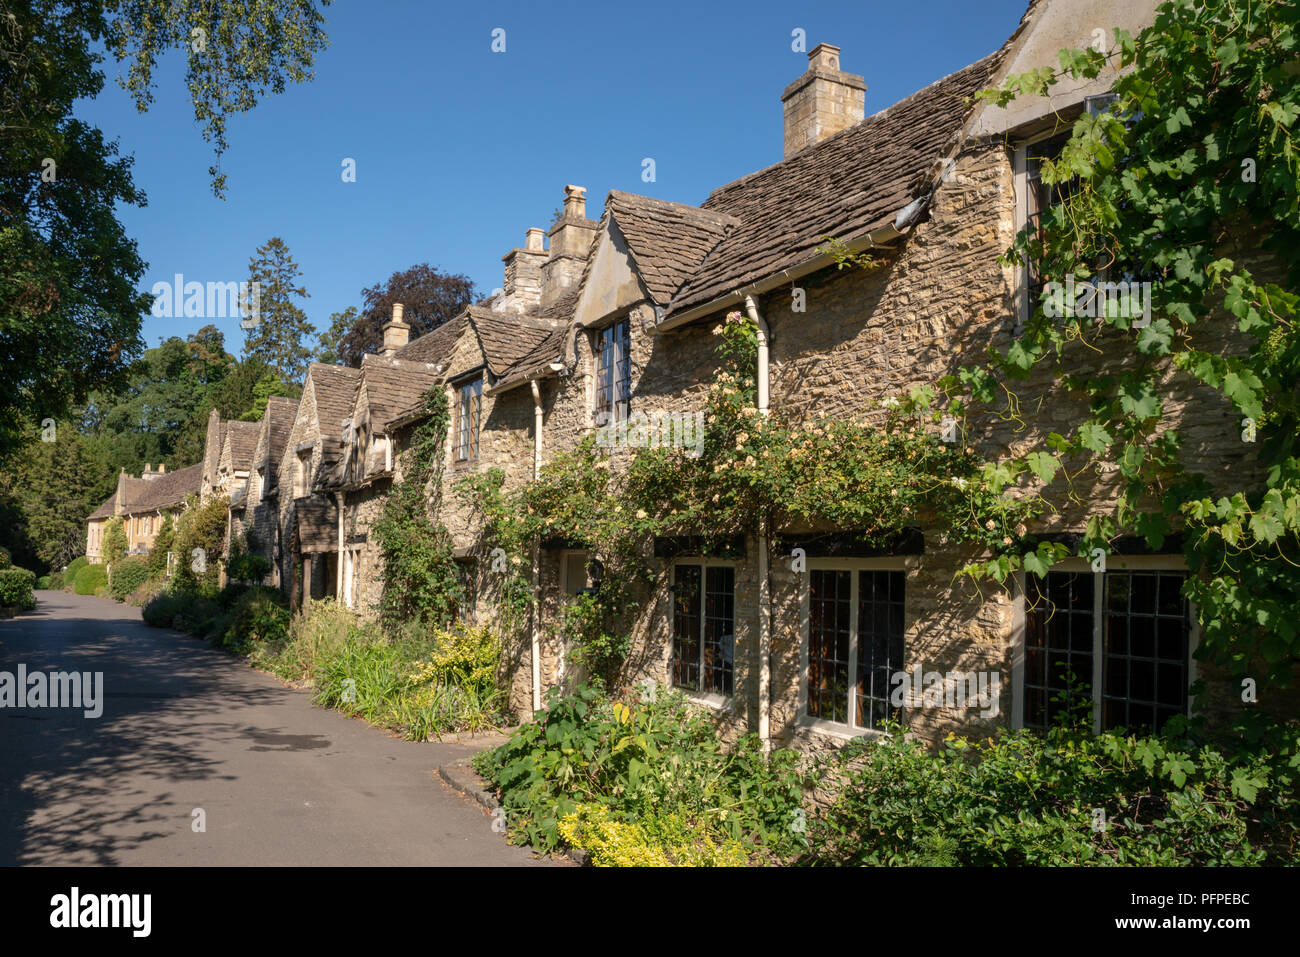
[[1193, 170], [421, 586]]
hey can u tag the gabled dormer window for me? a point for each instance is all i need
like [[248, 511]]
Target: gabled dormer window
[[613, 373]]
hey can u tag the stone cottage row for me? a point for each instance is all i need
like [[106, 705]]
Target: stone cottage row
[[603, 318]]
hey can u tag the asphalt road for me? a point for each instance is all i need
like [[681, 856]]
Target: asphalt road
[[185, 727]]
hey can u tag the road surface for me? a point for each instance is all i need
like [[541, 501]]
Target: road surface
[[187, 727]]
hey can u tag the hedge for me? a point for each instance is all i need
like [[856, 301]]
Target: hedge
[[128, 575], [16, 588], [89, 579]]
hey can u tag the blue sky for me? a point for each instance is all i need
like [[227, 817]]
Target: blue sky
[[459, 149]]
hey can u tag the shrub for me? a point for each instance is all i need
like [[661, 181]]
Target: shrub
[[6, 559], [16, 588], [667, 842], [53, 581], [70, 573], [90, 579], [148, 590], [128, 574], [1069, 797], [419, 684], [259, 615], [160, 611], [200, 534], [248, 567], [658, 764], [114, 544]]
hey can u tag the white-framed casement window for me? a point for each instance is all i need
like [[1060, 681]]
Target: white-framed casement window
[[469, 403], [1117, 643], [853, 642], [704, 627], [613, 373]]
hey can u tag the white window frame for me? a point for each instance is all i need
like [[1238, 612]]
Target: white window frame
[[1114, 563], [853, 565], [711, 699]]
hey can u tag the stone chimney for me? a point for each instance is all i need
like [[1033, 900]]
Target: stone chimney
[[823, 101], [524, 270], [396, 332], [571, 239]]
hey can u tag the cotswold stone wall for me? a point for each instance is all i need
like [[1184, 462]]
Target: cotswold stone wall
[[305, 429]]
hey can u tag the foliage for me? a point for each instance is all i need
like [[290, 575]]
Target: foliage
[[69, 307], [658, 764], [46, 491], [113, 546], [1022, 799], [16, 588], [1190, 181], [658, 842], [246, 566], [163, 543], [200, 542], [418, 683], [421, 581], [127, 575], [76, 565], [235, 50], [53, 581], [89, 579], [260, 615], [429, 299], [876, 477], [280, 329]]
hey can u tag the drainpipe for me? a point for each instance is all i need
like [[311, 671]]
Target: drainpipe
[[764, 587], [537, 549], [338, 582]]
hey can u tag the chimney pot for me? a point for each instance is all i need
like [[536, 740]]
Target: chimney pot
[[536, 240], [575, 202]]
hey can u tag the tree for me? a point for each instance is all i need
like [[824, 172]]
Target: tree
[[70, 311], [69, 308], [235, 50], [331, 340], [281, 326], [114, 545], [430, 298], [46, 494]]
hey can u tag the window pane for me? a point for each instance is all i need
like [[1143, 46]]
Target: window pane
[[880, 643], [719, 629], [686, 627], [828, 645], [1145, 681], [1058, 645]]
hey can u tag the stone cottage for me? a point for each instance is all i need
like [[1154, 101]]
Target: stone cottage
[[143, 503], [935, 187], [308, 515]]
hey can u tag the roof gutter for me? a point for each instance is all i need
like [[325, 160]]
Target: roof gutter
[[874, 239]]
